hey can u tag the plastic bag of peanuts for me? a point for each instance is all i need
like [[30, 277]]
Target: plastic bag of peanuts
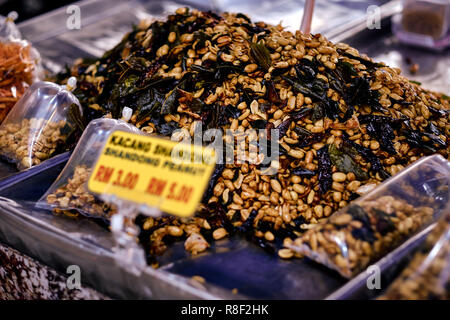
[[377, 223], [427, 276], [40, 124], [69, 191]]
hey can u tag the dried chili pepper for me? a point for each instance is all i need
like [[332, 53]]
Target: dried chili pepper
[[324, 169], [247, 225], [311, 139], [382, 129], [303, 172]]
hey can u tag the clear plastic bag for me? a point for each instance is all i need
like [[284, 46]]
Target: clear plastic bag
[[19, 65], [424, 23], [69, 191], [39, 124], [8, 29], [427, 276], [378, 222]]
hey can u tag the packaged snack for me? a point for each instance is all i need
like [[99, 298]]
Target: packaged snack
[[428, 274], [40, 124], [377, 223], [69, 191], [19, 64]]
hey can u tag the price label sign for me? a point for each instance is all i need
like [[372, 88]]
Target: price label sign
[[160, 173]]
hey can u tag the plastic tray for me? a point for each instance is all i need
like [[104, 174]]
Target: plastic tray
[[232, 263], [9, 174]]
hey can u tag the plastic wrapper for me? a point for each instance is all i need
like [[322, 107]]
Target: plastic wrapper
[[40, 124], [433, 30], [428, 274], [69, 191], [8, 29], [375, 224], [19, 65]]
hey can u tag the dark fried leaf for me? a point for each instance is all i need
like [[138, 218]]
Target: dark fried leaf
[[232, 111], [416, 139], [359, 93], [347, 69], [283, 127], [202, 70], [138, 64], [243, 16], [148, 102], [126, 87], [169, 105], [364, 234], [217, 216], [262, 243], [201, 38], [265, 147], [416, 82], [311, 139], [316, 89], [367, 154], [299, 221], [358, 213], [384, 133], [331, 109], [196, 105], [224, 69], [384, 223], [212, 181], [253, 29], [303, 172], [369, 64], [219, 118], [345, 163], [160, 32], [261, 55], [280, 71], [157, 82], [382, 129], [339, 77], [167, 128], [272, 94], [259, 124], [324, 169], [306, 70], [437, 113], [302, 133], [74, 115], [433, 129], [247, 226], [318, 112], [298, 115]]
